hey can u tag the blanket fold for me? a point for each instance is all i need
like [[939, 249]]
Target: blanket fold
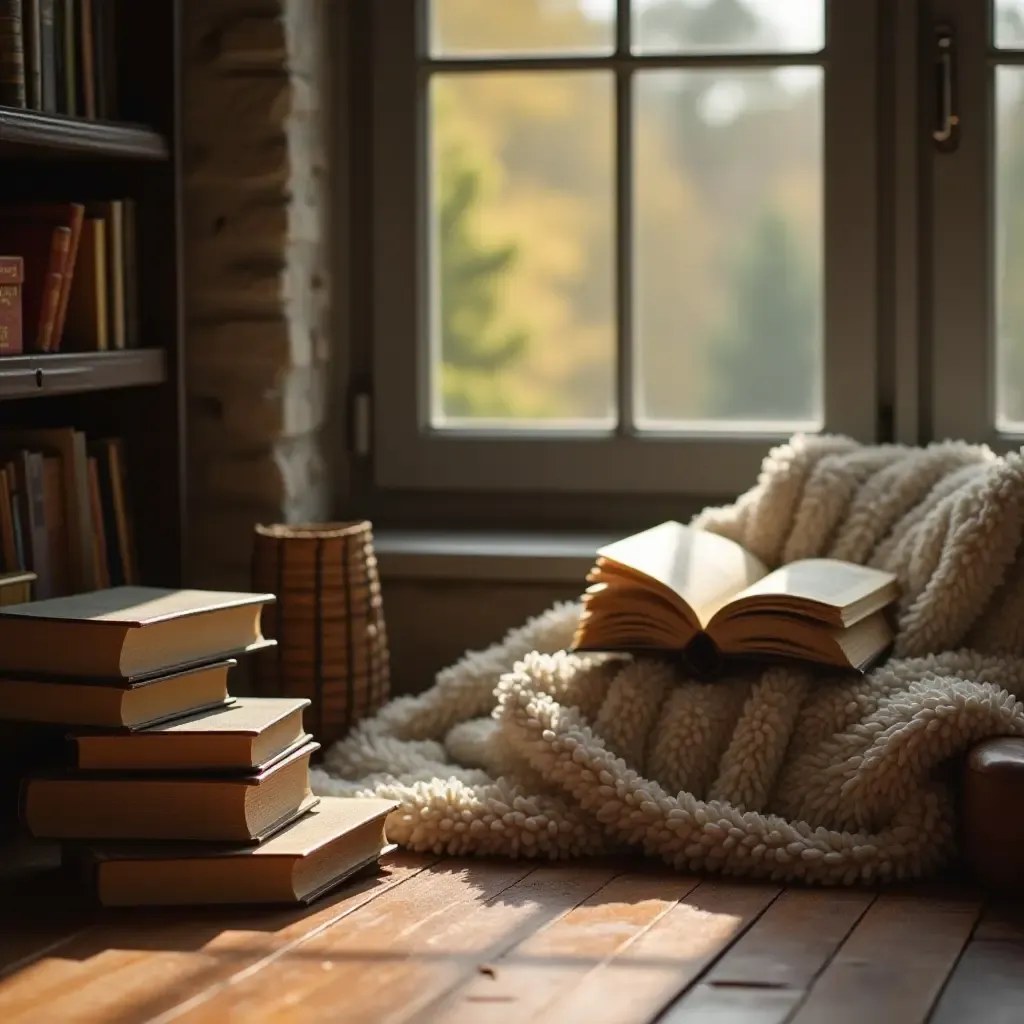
[[525, 750]]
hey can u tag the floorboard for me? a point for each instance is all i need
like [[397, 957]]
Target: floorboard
[[554, 961], [132, 966], [646, 975], [373, 965], [765, 975], [894, 964], [430, 941], [40, 910], [986, 987]]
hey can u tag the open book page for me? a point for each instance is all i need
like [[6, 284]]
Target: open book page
[[781, 635], [629, 617], [702, 568], [836, 592]]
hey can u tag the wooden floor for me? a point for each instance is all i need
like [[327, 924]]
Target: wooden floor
[[487, 943]]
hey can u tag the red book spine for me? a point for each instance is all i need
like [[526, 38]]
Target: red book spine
[[60, 243], [12, 275]]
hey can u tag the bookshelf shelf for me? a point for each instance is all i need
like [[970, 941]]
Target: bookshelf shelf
[[121, 169], [66, 373], [30, 133]]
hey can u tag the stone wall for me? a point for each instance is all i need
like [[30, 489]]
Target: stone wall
[[257, 248]]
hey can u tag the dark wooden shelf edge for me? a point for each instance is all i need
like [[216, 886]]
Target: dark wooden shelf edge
[[68, 373], [33, 133]]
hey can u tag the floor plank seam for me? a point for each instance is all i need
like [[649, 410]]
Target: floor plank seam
[[983, 906], [631, 941], [207, 994], [456, 982], [809, 988], [441, 911], [663, 1015], [494, 961], [37, 954]]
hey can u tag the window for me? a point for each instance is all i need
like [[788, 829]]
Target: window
[[623, 246], [620, 246]]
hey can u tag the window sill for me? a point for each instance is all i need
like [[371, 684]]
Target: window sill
[[496, 557]]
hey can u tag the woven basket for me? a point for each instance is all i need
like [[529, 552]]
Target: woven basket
[[328, 621]]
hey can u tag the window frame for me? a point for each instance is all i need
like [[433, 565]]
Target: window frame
[[962, 399], [960, 379], [409, 455]]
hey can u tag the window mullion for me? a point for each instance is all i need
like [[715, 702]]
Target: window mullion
[[851, 226], [625, 381], [904, 143]]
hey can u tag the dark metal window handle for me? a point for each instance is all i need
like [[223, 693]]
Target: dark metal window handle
[[947, 122]]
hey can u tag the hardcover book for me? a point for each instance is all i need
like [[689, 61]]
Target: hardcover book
[[128, 631], [336, 839], [118, 703], [158, 805], [248, 735], [12, 278], [676, 589]]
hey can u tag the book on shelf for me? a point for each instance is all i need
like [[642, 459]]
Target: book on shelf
[[16, 587], [12, 278], [57, 57], [336, 839], [12, 54], [674, 589], [78, 286], [65, 510]]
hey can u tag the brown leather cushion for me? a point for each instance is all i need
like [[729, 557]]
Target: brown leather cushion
[[993, 812]]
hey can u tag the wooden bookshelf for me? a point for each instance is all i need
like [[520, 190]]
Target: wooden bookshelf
[[64, 373], [47, 135], [135, 393]]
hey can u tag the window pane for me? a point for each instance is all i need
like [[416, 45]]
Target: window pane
[[729, 248], [522, 255], [1009, 239], [748, 26], [1009, 24], [480, 28]]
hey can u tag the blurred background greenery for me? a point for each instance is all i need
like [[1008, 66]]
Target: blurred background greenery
[[727, 217], [727, 213]]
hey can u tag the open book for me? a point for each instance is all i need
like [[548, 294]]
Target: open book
[[674, 588]]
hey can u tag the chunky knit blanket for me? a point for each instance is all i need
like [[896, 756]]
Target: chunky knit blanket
[[524, 750]]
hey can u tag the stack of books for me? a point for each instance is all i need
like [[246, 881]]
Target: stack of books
[[163, 788]]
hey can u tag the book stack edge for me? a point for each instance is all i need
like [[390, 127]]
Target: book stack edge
[[161, 786]]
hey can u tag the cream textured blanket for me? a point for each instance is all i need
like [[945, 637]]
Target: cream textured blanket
[[523, 750]]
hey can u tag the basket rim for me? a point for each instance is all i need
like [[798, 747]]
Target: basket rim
[[314, 531]]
